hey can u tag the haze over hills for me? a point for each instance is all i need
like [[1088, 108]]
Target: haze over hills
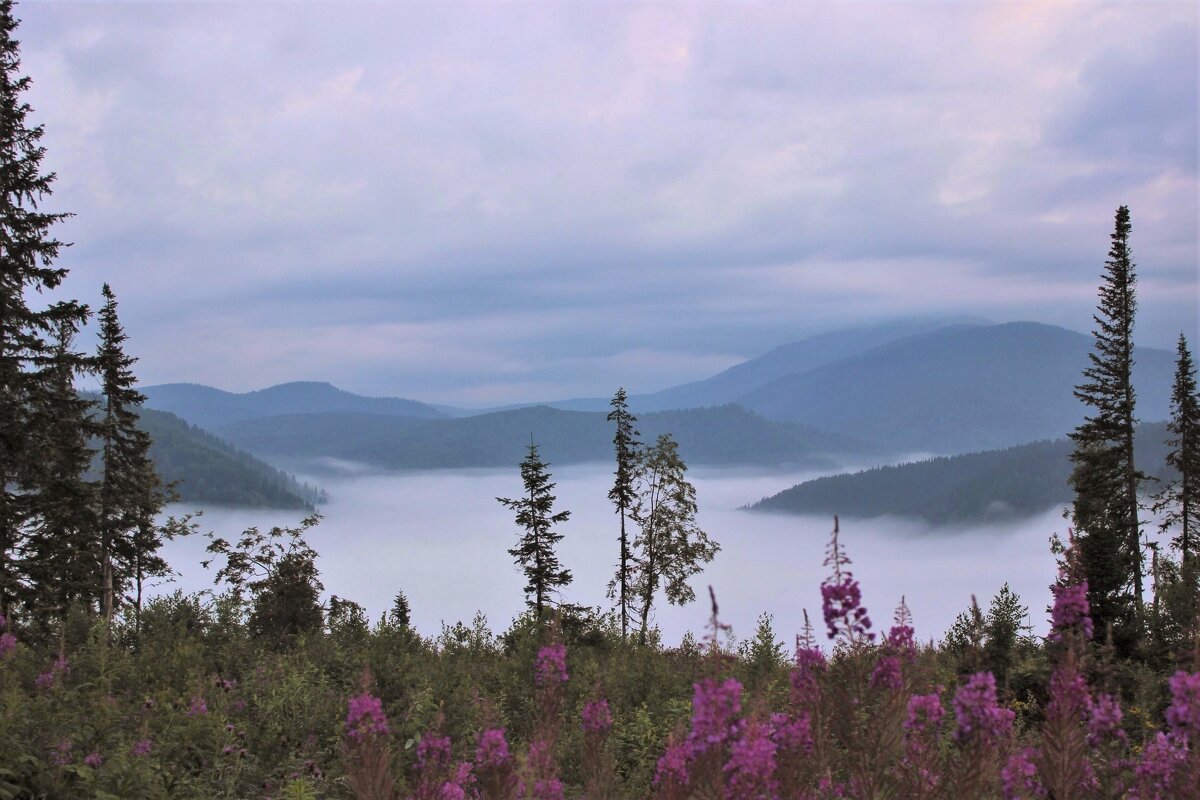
[[957, 389], [996, 484], [210, 408], [721, 435]]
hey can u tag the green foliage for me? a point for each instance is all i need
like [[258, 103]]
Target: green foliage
[[670, 547], [1105, 476], [627, 450], [534, 552], [1179, 499]]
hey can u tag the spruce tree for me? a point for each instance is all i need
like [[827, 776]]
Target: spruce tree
[[534, 552], [130, 492], [27, 254], [670, 547], [626, 444], [1180, 499], [60, 549], [1104, 475]]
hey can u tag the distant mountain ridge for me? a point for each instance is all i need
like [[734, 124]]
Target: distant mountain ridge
[[210, 408], [957, 389]]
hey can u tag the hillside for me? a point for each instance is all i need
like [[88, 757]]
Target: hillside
[[722, 435], [211, 408], [975, 487], [958, 389], [207, 471]]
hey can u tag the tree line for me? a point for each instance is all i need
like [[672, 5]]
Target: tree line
[[650, 490], [1110, 497], [79, 496]]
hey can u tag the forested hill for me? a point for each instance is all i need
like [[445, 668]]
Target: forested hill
[[975, 487], [208, 471], [721, 435]]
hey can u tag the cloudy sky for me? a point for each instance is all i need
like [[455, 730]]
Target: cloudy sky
[[505, 202]]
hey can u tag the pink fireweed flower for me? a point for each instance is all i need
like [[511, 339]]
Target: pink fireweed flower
[[925, 714], [750, 771], [673, 766], [8, 643], [460, 782], [887, 674], [715, 708], [841, 597], [198, 707], [48, 678], [551, 665], [1070, 610], [365, 717], [792, 733], [979, 717], [597, 717], [433, 752], [1069, 696], [900, 635], [809, 665], [1104, 720], [93, 759], [1155, 773], [492, 750], [1183, 715], [61, 755], [1019, 778], [141, 747]]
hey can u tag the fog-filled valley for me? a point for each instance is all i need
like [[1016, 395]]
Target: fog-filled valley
[[442, 538]]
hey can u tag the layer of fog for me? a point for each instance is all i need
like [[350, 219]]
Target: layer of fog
[[442, 538]]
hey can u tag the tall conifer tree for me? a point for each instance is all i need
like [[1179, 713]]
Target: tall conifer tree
[[27, 254], [1105, 477], [626, 444], [1180, 499], [60, 550], [534, 552], [130, 492]]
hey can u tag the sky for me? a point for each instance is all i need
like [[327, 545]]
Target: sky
[[510, 202]]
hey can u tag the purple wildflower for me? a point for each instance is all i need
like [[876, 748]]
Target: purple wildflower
[[8, 643], [1069, 696], [841, 597], [715, 707], [61, 755], [456, 787], [1019, 778], [433, 752], [1104, 720], [792, 733], [900, 636], [750, 770], [1070, 609], [887, 673], [1183, 715], [597, 717], [198, 707], [365, 717], [141, 747], [978, 715], [492, 750], [47, 678], [551, 665], [673, 766], [925, 714], [93, 759], [1155, 772], [810, 663]]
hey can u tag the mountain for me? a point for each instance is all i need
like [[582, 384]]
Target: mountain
[[206, 470], [788, 359], [957, 389], [210, 408], [721, 435], [970, 488]]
